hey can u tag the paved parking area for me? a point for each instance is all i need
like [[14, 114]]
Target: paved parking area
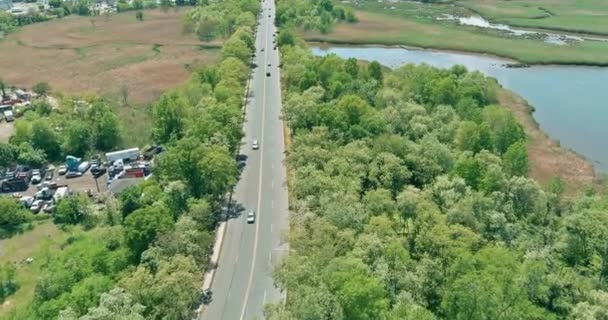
[[84, 183]]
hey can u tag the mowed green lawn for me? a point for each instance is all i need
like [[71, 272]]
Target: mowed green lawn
[[416, 24], [588, 16]]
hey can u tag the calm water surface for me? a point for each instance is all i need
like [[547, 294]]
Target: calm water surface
[[571, 102]]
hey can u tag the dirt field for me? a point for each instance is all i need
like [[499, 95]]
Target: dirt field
[[547, 159], [6, 130], [104, 55]]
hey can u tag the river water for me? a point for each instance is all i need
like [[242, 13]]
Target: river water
[[571, 102]]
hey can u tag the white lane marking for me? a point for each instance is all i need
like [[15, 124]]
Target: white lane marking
[[271, 227], [264, 301], [270, 258], [272, 204], [257, 225], [272, 184]]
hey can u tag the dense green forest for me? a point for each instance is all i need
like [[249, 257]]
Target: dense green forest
[[410, 200], [144, 254], [312, 15]]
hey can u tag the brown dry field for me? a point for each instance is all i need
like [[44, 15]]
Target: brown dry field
[[547, 158], [103, 55]]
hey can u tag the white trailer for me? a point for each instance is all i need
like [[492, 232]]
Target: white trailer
[[60, 193], [8, 115], [127, 154]]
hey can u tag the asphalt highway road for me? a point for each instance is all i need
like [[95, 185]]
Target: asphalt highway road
[[243, 280]]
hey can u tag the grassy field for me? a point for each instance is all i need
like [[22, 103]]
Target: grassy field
[[43, 240], [415, 24], [588, 16], [105, 57]]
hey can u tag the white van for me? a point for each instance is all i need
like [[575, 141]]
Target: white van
[[8, 115]]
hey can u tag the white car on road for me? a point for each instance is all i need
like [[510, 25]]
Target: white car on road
[[250, 217], [255, 144]]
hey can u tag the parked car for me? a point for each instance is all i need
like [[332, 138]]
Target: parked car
[[36, 206], [49, 207], [251, 217], [99, 171], [49, 175], [44, 194], [9, 116], [73, 174], [27, 201], [45, 184], [36, 178], [62, 170], [206, 296], [84, 166]]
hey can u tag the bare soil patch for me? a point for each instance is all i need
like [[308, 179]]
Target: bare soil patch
[[547, 158], [104, 55], [6, 130]]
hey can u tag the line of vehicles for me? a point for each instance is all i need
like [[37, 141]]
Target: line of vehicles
[[48, 192], [46, 199], [128, 163]]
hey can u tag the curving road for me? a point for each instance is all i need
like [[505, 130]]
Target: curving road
[[243, 281]]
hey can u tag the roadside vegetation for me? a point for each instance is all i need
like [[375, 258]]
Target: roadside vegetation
[[318, 15], [143, 255], [410, 200], [77, 128], [416, 24]]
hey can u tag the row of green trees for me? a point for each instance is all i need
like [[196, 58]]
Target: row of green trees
[[143, 256], [45, 135], [312, 15], [219, 20], [10, 22], [410, 201]]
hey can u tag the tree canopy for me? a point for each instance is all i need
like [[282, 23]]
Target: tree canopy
[[411, 200]]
